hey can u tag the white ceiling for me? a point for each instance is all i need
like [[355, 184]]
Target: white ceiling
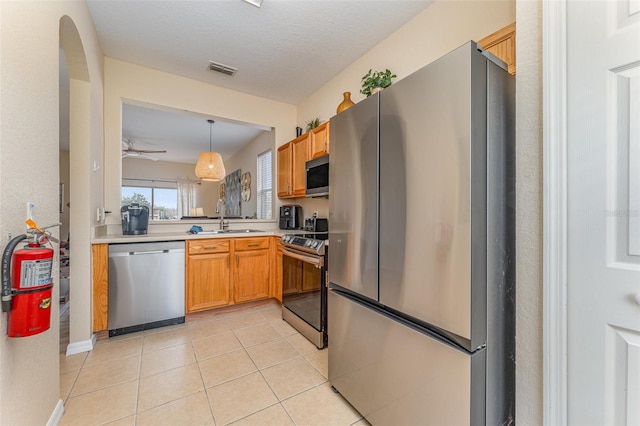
[[284, 51]]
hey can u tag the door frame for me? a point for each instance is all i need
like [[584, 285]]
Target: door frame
[[555, 298]]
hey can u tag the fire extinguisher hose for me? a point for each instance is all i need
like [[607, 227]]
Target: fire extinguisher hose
[[6, 271]]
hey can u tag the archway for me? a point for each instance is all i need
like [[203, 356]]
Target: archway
[[79, 125]]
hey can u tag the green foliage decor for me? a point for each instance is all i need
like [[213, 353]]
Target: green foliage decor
[[312, 124], [373, 79]]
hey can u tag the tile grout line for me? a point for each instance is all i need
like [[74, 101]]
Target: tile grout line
[[204, 386], [259, 370], [265, 319]]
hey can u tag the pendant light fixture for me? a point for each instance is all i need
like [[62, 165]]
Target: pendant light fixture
[[210, 166]]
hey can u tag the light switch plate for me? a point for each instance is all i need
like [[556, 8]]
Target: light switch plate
[[31, 206]]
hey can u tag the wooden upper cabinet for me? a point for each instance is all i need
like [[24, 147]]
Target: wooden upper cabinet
[[292, 157], [300, 155], [319, 141], [284, 171], [502, 43]]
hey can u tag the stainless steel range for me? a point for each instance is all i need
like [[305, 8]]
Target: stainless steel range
[[304, 289]]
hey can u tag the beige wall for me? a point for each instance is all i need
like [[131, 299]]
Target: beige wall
[[246, 160], [529, 213], [140, 85], [441, 28], [167, 170], [64, 179], [29, 151]]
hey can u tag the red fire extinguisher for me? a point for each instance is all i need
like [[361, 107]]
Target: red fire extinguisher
[[27, 286]]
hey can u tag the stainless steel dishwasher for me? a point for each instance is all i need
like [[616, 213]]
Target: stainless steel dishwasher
[[146, 286]]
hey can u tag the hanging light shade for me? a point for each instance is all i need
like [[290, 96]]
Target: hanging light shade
[[210, 166]]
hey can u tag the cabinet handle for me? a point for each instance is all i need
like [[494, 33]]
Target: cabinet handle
[[237, 260], [210, 247], [253, 244], [228, 262]]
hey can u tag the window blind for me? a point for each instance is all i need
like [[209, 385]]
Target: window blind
[[264, 186]]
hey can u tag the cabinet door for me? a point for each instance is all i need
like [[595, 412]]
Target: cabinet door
[[208, 281], [300, 155], [320, 140], [251, 277], [100, 286], [310, 277], [276, 273], [284, 171], [291, 275], [502, 43]]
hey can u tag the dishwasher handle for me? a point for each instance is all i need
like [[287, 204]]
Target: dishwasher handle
[[137, 253], [134, 253]]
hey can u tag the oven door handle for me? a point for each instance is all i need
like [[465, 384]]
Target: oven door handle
[[319, 262]]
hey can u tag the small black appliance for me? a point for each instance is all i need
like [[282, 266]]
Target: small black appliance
[[135, 219], [319, 226], [290, 217]]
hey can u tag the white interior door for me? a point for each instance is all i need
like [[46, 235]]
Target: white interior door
[[603, 275]]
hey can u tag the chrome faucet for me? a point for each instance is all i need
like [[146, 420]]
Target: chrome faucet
[[220, 212]]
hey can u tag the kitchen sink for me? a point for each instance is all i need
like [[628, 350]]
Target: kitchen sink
[[229, 231]]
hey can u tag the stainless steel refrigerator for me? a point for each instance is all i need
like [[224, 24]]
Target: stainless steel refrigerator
[[422, 276]]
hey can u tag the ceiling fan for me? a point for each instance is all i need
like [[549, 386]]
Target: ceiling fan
[[128, 150]]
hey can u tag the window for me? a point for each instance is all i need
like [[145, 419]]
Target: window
[[162, 202], [264, 186]]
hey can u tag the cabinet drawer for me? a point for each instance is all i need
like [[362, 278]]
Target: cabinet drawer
[[208, 246], [251, 243]]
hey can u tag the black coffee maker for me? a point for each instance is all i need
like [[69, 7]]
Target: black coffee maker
[[291, 217], [135, 219]]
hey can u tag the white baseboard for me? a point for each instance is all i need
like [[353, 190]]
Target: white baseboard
[[83, 346], [56, 416]]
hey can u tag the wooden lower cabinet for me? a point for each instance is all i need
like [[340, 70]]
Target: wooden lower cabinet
[[219, 272], [222, 272], [293, 274], [310, 277], [208, 281], [251, 278], [208, 274], [276, 273], [100, 259]]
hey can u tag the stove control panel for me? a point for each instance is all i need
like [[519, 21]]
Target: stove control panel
[[309, 244]]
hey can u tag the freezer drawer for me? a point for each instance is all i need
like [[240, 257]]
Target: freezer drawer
[[393, 373]]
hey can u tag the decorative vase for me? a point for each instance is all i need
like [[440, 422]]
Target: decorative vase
[[346, 103], [376, 90]]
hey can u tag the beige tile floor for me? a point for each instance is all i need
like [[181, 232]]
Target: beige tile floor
[[246, 367]]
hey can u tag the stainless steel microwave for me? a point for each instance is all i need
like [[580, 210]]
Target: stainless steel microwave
[[318, 177]]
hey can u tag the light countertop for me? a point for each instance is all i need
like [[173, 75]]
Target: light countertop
[[180, 236]]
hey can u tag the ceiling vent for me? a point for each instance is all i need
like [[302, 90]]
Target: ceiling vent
[[224, 69]]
